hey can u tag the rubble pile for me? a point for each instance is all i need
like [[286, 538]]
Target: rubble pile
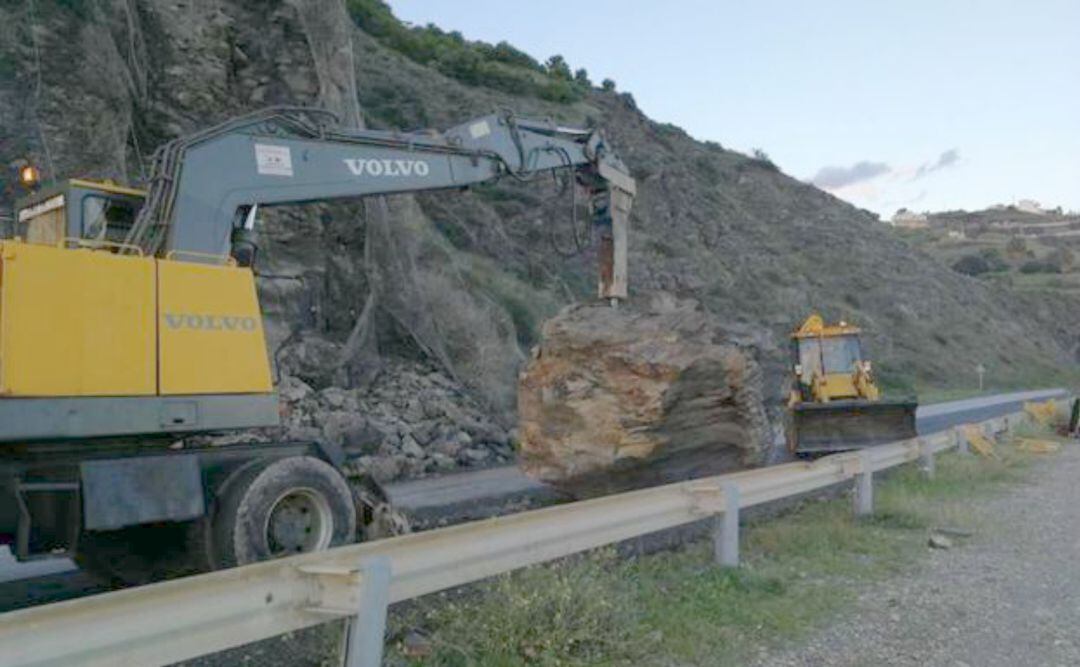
[[409, 422]]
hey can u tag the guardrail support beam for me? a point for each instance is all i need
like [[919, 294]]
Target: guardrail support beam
[[863, 498], [367, 630], [725, 529]]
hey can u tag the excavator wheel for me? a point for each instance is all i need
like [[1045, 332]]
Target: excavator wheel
[[280, 507]]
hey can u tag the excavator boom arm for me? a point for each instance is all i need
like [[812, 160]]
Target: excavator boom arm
[[204, 186]]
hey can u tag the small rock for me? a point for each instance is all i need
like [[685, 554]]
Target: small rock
[[292, 389], [938, 541], [414, 411], [475, 454], [410, 447], [333, 397], [426, 431], [441, 461], [416, 645], [447, 446]]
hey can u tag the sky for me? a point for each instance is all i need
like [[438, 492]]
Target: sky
[[921, 104]]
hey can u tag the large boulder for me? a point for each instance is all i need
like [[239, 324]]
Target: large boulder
[[651, 392]]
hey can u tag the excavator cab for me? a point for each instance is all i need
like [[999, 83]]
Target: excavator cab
[[835, 404], [79, 212]]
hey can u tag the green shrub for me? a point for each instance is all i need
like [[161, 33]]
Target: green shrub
[[971, 265], [994, 260], [762, 159], [499, 66], [1039, 266]]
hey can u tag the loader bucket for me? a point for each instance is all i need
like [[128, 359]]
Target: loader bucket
[[851, 424]]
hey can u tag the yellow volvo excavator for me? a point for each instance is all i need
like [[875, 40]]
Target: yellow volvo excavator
[[129, 321], [835, 404]]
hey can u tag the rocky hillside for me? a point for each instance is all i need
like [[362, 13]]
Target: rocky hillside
[[417, 312]]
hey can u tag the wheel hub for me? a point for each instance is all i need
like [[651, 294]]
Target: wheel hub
[[300, 521]]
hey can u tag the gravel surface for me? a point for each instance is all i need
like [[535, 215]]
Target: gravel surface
[[1009, 596]]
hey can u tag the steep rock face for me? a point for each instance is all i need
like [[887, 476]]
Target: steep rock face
[[654, 391], [465, 280]]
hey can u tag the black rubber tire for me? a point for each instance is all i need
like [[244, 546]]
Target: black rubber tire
[[238, 529], [142, 554]]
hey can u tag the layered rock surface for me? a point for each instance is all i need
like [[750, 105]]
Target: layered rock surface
[[654, 391]]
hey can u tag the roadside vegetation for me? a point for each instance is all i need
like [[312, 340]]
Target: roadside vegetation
[[799, 570]]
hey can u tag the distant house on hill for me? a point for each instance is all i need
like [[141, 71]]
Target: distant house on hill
[[910, 219], [1030, 206]]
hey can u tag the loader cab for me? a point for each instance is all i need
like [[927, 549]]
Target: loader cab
[[828, 360], [78, 212]]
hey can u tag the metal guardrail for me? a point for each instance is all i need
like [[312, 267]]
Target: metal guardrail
[[186, 618]]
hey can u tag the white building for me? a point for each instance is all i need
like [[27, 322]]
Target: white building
[[910, 220], [1029, 206]]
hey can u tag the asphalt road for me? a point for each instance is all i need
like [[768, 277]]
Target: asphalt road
[[455, 490], [457, 497]]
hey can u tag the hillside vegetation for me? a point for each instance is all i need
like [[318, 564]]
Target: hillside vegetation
[[1026, 251]]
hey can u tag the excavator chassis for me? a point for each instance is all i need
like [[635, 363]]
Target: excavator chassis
[[844, 425]]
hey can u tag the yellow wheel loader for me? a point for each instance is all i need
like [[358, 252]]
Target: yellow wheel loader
[[834, 404]]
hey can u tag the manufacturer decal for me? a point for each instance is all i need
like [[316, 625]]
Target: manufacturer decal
[[195, 322], [50, 204], [273, 160], [362, 167]]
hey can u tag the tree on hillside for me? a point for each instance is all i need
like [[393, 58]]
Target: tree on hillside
[[556, 67], [971, 265], [1016, 248]]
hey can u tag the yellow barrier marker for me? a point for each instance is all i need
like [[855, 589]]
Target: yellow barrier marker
[[1043, 413], [1033, 446], [978, 441]]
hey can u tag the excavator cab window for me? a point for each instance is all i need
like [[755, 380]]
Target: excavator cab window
[[98, 211], [107, 218]]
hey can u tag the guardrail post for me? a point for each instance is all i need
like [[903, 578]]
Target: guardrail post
[[725, 529], [961, 441], [863, 497], [926, 459], [367, 630]]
